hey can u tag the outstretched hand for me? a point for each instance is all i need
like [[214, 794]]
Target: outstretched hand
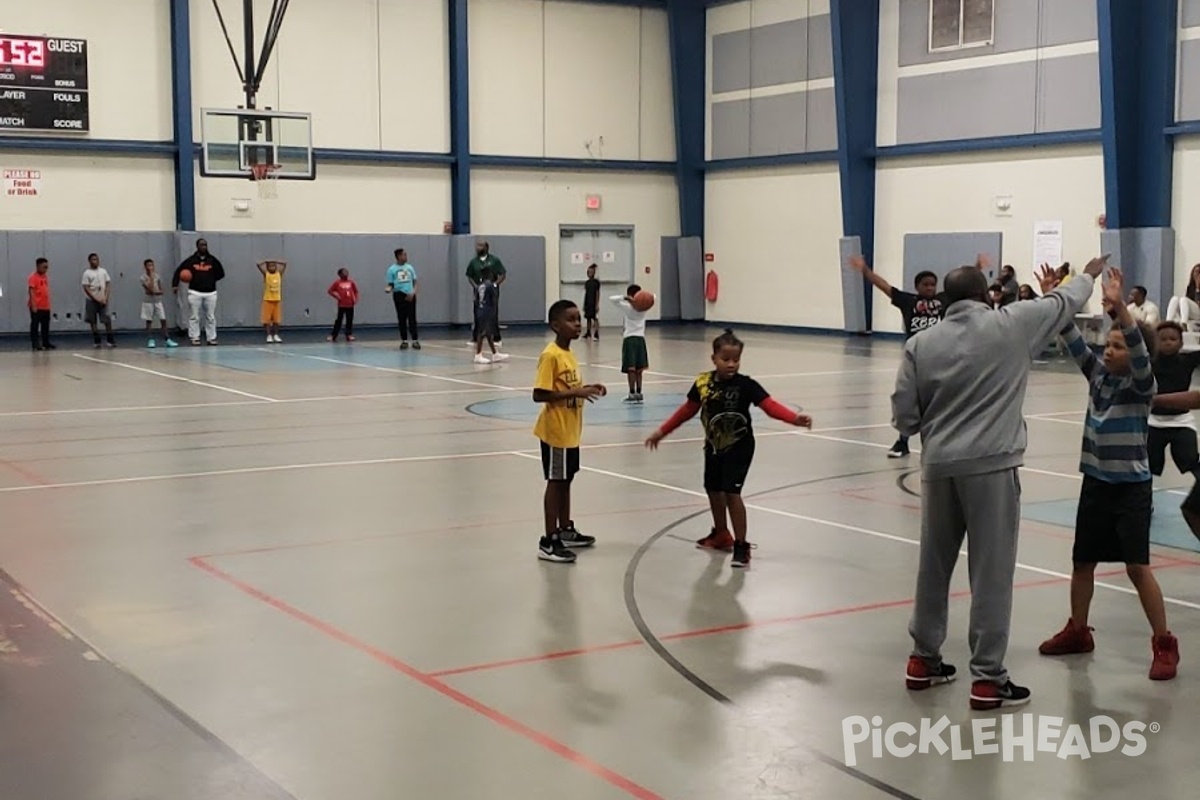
[[1096, 266], [653, 439], [858, 264], [803, 421], [1114, 290], [1047, 278]]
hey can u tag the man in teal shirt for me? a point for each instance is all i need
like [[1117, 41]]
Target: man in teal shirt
[[484, 258], [402, 283]]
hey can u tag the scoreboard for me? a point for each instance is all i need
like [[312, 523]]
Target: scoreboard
[[43, 84]]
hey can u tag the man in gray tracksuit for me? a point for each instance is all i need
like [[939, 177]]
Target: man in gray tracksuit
[[961, 386]]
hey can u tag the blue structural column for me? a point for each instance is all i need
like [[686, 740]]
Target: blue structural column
[[688, 32], [856, 83], [460, 118], [1137, 99], [181, 92]]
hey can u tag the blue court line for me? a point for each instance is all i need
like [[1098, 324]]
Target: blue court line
[[1167, 527]]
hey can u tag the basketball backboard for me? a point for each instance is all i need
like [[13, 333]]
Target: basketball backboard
[[234, 141]]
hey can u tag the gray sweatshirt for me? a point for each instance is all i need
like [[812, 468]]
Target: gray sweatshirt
[[962, 382]]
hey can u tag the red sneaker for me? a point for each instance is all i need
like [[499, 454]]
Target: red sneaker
[[1070, 640], [920, 676], [1166, 656], [717, 540]]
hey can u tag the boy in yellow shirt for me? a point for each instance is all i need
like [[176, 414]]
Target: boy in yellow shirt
[[272, 302], [562, 393]]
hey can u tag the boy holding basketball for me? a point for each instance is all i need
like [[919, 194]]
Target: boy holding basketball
[[561, 393], [272, 301], [634, 358]]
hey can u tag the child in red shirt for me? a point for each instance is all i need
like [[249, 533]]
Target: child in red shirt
[[39, 306], [345, 291]]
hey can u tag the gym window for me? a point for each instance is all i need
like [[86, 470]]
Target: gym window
[[961, 24]]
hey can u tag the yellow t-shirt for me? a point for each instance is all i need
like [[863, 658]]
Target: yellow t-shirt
[[561, 423], [273, 287]]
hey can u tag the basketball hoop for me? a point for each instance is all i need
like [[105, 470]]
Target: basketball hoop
[[267, 178]]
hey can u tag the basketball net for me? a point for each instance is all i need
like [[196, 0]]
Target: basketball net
[[267, 178]]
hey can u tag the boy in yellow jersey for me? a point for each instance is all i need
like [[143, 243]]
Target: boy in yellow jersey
[[272, 302], [562, 393]]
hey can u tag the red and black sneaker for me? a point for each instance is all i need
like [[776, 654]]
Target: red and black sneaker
[[1166, 657], [1072, 639], [989, 695], [920, 675], [717, 540]]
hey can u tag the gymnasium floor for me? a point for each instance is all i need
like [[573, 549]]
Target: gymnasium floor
[[309, 571]]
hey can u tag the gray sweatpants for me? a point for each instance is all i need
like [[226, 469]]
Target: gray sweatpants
[[987, 509]]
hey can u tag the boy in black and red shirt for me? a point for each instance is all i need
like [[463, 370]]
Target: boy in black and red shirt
[[920, 311]]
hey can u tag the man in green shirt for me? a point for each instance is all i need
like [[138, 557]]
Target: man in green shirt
[[484, 258]]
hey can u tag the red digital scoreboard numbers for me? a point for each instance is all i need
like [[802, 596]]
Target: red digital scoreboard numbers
[[43, 84]]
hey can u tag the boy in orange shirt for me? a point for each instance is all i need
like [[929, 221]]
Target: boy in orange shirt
[[39, 306]]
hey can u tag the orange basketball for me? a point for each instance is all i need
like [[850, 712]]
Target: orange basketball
[[642, 301], [185, 276]]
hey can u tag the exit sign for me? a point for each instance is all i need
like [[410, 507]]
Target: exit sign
[[593, 202]]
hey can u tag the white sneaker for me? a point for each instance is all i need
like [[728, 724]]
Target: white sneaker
[[278, 339], [270, 340], [498, 356], [482, 359]]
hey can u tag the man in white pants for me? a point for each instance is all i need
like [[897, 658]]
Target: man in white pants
[[206, 270]]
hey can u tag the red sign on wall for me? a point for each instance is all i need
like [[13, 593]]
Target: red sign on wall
[[710, 257]]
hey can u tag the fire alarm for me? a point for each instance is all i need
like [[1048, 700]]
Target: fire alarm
[[593, 202]]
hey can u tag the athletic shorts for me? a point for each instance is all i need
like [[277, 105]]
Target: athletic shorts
[[94, 312], [1113, 522], [633, 354], [272, 312], [559, 463], [1182, 442], [153, 311], [726, 472]]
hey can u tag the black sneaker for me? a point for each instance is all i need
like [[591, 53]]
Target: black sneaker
[[899, 449], [989, 696], [741, 554], [50, 346], [404, 345], [551, 548], [416, 345], [573, 538]]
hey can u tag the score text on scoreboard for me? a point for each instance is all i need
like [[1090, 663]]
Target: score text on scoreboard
[[43, 84]]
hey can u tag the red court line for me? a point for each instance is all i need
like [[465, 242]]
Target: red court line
[[431, 682], [26, 473], [741, 626]]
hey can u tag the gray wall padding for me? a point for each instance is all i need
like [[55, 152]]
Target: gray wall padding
[[1146, 256], [942, 252], [313, 260], [668, 273], [692, 305], [854, 292]]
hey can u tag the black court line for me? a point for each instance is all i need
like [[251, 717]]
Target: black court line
[[173, 710], [639, 622], [902, 482]]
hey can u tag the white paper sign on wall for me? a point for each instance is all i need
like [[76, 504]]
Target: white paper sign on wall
[[1048, 243], [22, 182], [610, 257], [576, 258]]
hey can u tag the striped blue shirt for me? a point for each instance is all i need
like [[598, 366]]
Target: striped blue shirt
[[1118, 418]]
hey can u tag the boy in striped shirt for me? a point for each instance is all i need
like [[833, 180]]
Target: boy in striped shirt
[[1113, 520]]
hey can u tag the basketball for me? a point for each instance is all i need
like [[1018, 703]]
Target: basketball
[[642, 301], [185, 276]]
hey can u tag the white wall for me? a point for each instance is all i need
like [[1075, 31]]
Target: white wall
[[536, 203], [91, 192], [373, 73], [774, 234], [1186, 208], [945, 194], [129, 59], [570, 80], [347, 198]]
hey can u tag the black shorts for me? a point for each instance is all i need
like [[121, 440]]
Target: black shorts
[[726, 472], [1182, 442], [559, 463], [589, 313], [1113, 522]]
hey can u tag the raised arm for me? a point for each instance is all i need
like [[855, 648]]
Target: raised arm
[[1077, 347], [859, 265], [262, 267], [1040, 320], [1139, 354]]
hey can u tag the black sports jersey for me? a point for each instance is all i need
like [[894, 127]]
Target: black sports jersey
[[725, 409], [918, 313]]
